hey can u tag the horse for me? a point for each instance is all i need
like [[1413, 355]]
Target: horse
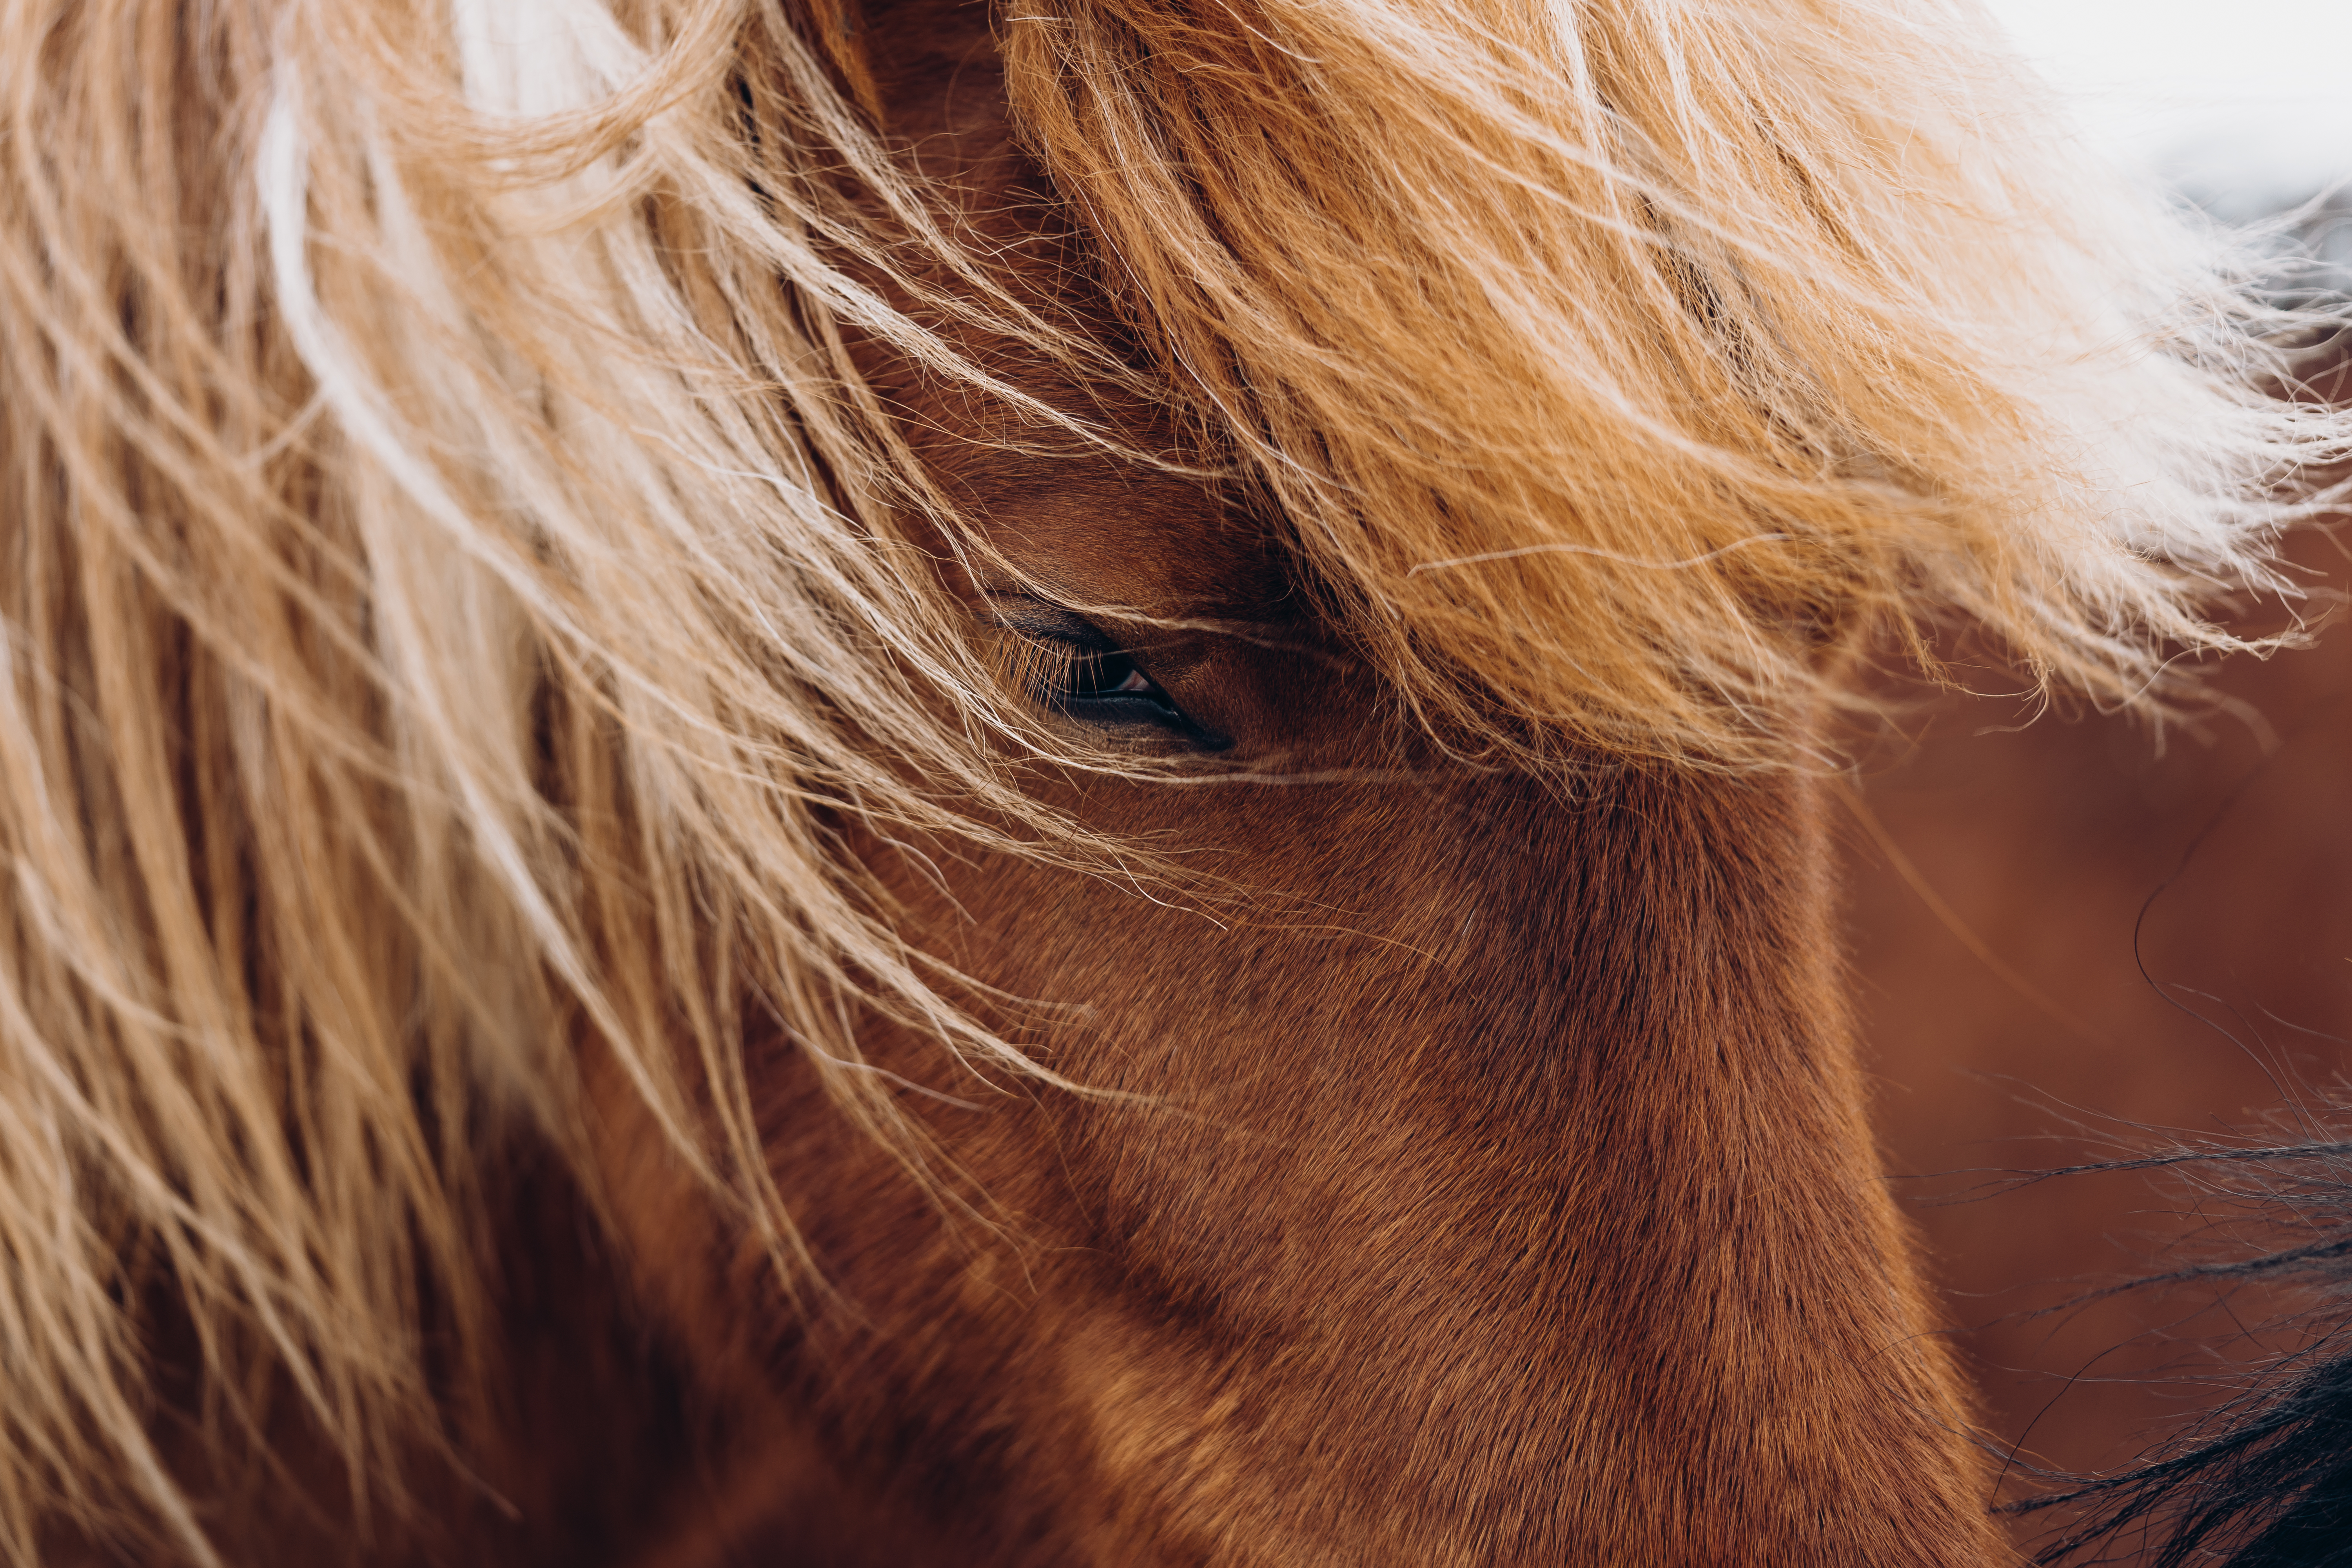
[[913, 781]]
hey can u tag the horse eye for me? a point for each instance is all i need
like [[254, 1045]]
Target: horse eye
[[1101, 675], [1074, 666], [1110, 678]]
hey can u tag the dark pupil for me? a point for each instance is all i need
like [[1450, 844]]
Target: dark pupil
[[1099, 675]]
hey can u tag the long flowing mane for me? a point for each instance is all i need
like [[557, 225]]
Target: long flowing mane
[[459, 570]]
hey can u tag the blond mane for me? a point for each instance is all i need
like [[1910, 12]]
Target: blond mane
[[455, 565]]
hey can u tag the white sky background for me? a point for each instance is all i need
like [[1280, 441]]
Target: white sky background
[[2250, 101]]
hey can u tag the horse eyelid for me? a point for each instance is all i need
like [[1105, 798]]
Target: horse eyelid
[[1046, 622]]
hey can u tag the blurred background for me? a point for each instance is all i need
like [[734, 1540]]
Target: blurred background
[[2075, 940], [2248, 98]]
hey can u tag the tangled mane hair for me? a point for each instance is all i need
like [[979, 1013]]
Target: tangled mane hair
[[457, 574], [2264, 1480]]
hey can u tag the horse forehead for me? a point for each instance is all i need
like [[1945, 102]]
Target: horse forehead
[[1096, 527], [1102, 531]]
